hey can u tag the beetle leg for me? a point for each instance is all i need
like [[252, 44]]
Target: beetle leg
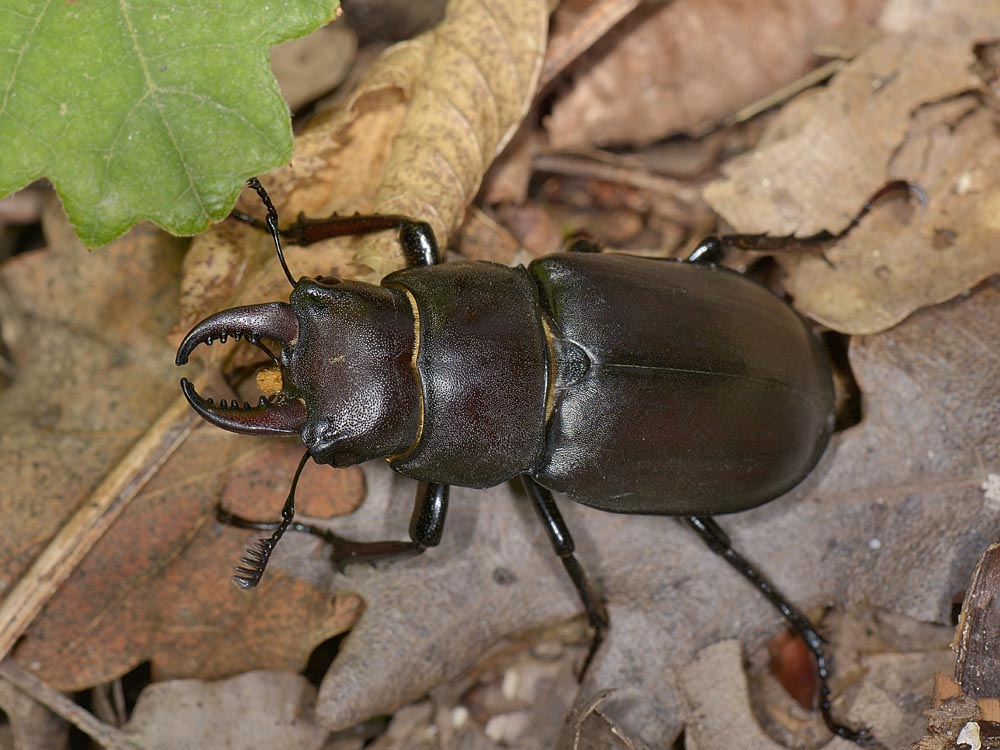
[[426, 527], [416, 237], [583, 245], [563, 544], [708, 251], [718, 541]]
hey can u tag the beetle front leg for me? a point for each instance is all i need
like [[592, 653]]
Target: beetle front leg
[[709, 251], [416, 237], [718, 541], [426, 528], [563, 544]]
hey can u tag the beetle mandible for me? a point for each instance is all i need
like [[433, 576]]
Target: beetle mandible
[[633, 385]]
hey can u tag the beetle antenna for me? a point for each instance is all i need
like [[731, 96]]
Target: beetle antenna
[[272, 225], [259, 553]]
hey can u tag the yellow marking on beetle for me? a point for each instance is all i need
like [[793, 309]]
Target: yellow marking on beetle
[[550, 388], [416, 374]]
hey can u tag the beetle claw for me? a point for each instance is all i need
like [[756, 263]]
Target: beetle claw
[[272, 320], [285, 418]]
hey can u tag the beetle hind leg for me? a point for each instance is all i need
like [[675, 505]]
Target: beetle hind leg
[[718, 541]]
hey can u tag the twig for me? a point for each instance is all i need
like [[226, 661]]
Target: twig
[[810, 79], [682, 194]]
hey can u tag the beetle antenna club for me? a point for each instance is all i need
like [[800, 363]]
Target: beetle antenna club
[[272, 225], [258, 555]]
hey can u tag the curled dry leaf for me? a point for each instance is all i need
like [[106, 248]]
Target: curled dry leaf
[[414, 138], [894, 263], [976, 635], [683, 66], [894, 517], [895, 113]]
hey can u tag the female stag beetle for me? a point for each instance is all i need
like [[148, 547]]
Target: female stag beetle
[[632, 385]]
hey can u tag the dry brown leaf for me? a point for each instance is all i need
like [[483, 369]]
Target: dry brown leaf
[[91, 378], [894, 518], [683, 66]]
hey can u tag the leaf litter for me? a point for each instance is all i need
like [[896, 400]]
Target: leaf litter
[[891, 522]]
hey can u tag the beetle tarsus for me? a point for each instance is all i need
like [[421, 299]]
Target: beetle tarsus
[[258, 555]]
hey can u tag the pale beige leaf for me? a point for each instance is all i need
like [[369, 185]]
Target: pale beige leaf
[[481, 70], [254, 711], [818, 178], [893, 264]]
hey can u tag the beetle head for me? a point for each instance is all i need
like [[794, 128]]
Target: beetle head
[[348, 385]]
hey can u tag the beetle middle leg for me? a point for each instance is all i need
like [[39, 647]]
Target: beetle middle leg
[[426, 528], [563, 545]]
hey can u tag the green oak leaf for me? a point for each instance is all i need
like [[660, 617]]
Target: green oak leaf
[[144, 109]]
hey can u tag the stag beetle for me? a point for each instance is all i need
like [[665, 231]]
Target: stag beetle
[[629, 384]]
